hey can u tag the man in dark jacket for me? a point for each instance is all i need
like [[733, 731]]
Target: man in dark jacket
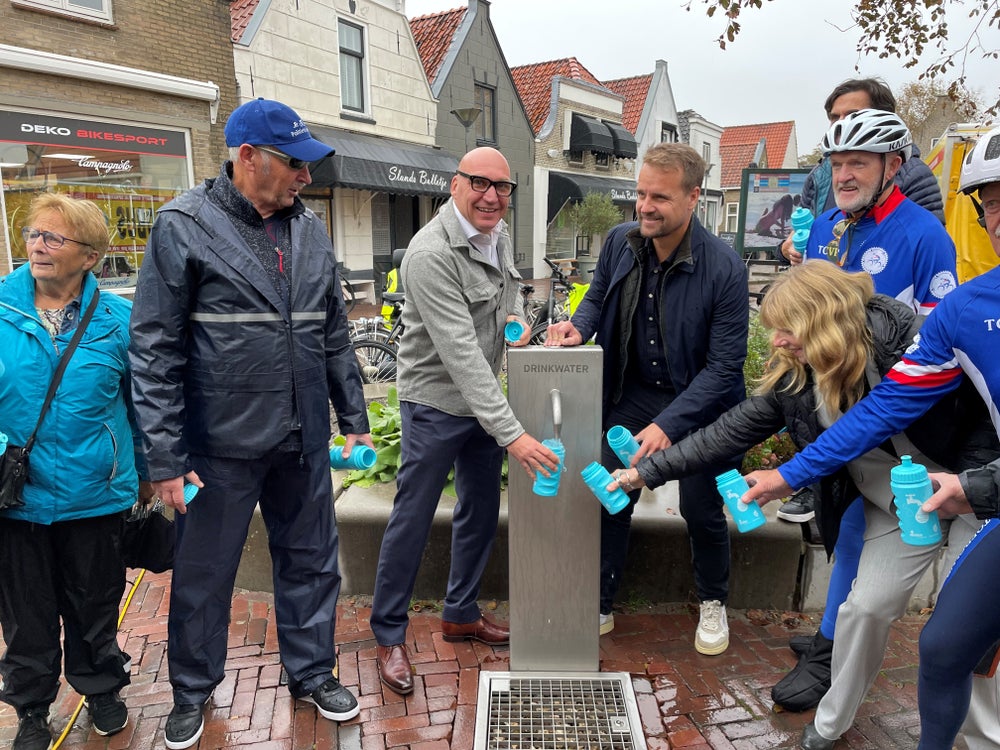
[[669, 304], [239, 344]]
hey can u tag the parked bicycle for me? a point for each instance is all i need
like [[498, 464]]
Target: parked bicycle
[[376, 345], [560, 302]]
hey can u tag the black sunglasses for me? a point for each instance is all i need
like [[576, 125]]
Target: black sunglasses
[[482, 184], [291, 161]]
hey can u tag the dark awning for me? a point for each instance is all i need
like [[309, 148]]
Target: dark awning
[[368, 162], [565, 187], [625, 146], [589, 134]]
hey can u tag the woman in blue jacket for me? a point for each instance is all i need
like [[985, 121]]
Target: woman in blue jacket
[[60, 549]]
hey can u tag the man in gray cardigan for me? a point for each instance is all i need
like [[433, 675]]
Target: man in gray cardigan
[[461, 290]]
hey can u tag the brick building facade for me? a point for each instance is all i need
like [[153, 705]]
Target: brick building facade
[[127, 110]]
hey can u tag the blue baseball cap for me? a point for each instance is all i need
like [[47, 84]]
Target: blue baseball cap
[[263, 122]]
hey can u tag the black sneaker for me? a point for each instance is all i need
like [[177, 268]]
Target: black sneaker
[[799, 507], [799, 644], [184, 726], [107, 712], [334, 701], [33, 730]]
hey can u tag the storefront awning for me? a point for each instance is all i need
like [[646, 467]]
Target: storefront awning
[[589, 134], [625, 146], [566, 187], [367, 162]]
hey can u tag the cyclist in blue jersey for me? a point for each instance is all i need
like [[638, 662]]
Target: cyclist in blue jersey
[[959, 340]]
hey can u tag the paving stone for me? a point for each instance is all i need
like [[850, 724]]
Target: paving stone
[[686, 701]]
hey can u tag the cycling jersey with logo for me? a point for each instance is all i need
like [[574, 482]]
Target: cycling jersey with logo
[[902, 246]]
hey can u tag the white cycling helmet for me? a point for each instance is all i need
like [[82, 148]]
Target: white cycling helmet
[[982, 164], [871, 130]]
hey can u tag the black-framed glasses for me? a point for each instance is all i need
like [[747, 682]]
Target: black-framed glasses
[[481, 184], [51, 240], [832, 249], [291, 161]]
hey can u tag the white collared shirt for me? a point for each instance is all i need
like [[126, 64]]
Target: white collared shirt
[[484, 243]]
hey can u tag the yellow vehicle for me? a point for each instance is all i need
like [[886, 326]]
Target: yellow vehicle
[[975, 254]]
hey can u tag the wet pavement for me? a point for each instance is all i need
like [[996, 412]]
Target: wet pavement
[[685, 700]]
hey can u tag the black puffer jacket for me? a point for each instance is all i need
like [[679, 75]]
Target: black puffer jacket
[[956, 433]]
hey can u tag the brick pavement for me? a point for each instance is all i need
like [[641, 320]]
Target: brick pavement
[[685, 700]]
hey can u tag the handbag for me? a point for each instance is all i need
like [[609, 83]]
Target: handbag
[[14, 461], [148, 538]]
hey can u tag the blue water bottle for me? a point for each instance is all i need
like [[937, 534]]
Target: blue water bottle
[[802, 219], [911, 487], [513, 331], [361, 457], [548, 486], [597, 479], [623, 444], [732, 486]]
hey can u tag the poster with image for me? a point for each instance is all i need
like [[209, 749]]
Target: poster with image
[[767, 199]]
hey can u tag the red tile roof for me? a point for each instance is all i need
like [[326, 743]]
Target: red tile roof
[[738, 143], [433, 34], [240, 13], [534, 85], [634, 90]]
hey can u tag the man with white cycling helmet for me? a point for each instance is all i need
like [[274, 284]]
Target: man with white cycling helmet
[[910, 257]]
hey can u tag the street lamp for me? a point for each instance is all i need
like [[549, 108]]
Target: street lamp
[[467, 116]]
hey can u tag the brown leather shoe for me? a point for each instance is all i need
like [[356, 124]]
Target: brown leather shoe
[[394, 668], [482, 630]]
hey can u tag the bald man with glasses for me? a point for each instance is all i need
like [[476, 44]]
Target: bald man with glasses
[[461, 289]]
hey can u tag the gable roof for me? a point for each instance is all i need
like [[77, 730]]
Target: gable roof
[[433, 34], [240, 13], [534, 85], [634, 90], [738, 143]]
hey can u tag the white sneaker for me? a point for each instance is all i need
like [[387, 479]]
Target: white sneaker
[[712, 635], [607, 623]]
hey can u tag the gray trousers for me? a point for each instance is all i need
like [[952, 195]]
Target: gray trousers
[[888, 573]]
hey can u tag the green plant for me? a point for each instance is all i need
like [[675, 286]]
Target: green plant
[[595, 214], [778, 448], [386, 429], [386, 423]]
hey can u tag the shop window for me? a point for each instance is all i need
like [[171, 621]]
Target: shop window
[[91, 10], [129, 170], [602, 161], [486, 123], [352, 66]]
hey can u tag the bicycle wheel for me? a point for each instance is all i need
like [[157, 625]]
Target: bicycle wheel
[[350, 300], [376, 361]]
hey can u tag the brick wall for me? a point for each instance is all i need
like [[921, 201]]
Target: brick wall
[[185, 38]]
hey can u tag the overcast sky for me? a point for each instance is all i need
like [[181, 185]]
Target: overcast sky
[[786, 60]]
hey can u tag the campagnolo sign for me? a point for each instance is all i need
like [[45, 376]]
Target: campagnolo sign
[[422, 177]]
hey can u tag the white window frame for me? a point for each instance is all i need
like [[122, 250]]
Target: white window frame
[[70, 8], [486, 124], [363, 59], [732, 216]]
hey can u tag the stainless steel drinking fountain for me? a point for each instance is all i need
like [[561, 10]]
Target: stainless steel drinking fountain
[[555, 695]]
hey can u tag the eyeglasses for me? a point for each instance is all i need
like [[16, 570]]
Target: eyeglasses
[[482, 184], [291, 161], [51, 240], [832, 249]]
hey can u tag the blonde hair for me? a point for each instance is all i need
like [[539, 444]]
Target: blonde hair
[[87, 222], [825, 309]]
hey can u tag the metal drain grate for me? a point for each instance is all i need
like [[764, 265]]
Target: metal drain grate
[[557, 711]]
